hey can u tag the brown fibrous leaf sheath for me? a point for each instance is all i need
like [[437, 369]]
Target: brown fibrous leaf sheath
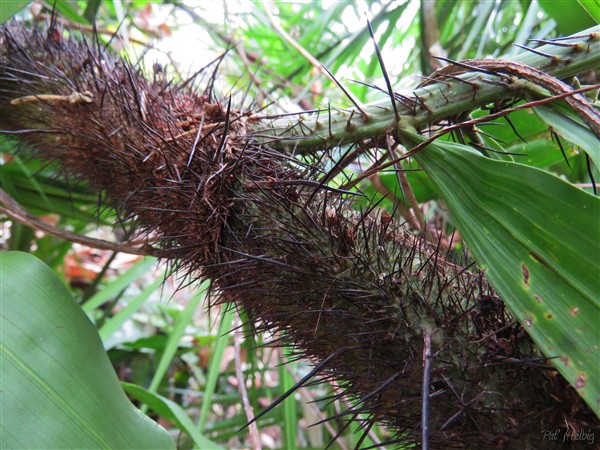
[[352, 291]]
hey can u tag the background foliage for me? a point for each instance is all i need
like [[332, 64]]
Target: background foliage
[[177, 360]]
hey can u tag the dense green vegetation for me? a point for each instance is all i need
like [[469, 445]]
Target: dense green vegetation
[[517, 196]]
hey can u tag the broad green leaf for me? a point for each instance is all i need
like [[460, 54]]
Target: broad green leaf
[[8, 8], [539, 153], [572, 16], [525, 123], [537, 238], [59, 389], [572, 129], [171, 411], [592, 7]]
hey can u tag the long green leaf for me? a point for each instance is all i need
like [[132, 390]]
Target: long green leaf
[[592, 7], [537, 238], [290, 414], [572, 16], [223, 336], [171, 411], [112, 325], [59, 389], [571, 128], [184, 319], [10, 8], [69, 10], [114, 287]]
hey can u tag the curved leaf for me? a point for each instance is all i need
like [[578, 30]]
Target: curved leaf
[[572, 16], [171, 411], [9, 9], [537, 238], [59, 389], [572, 129]]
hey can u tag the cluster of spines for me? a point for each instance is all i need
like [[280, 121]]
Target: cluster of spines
[[355, 292], [478, 85]]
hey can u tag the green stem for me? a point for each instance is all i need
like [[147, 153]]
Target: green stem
[[428, 104]]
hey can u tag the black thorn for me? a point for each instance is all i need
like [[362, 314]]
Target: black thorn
[[551, 42], [136, 94], [568, 38], [562, 150], [329, 114], [422, 103], [428, 80], [367, 429], [591, 173], [225, 131], [198, 134], [370, 85], [385, 74], [121, 23], [444, 95], [349, 121], [406, 101], [348, 94], [340, 432], [537, 52], [453, 77], [466, 66], [514, 129], [295, 387]]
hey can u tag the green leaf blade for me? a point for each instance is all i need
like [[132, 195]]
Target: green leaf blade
[[171, 411], [9, 8], [57, 382], [538, 240], [572, 129]]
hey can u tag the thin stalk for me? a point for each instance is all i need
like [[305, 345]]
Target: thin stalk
[[428, 104]]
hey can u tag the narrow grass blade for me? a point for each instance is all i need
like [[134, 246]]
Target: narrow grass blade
[[223, 337], [182, 322], [115, 323], [113, 288]]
